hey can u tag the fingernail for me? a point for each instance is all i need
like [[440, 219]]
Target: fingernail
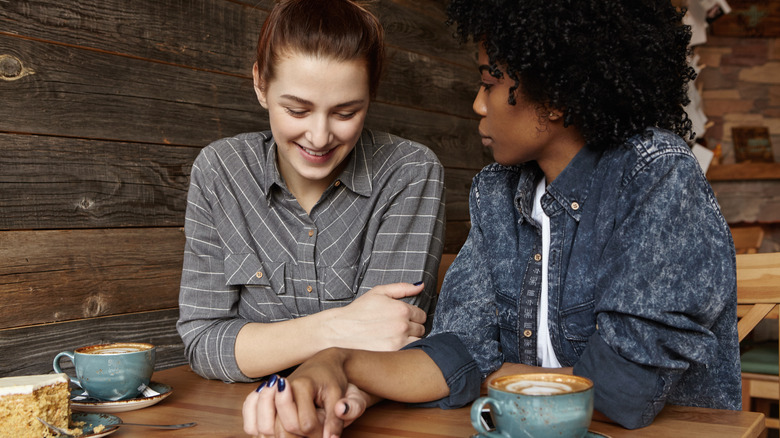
[[346, 408], [418, 283], [281, 384], [260, 388], [272, 380]]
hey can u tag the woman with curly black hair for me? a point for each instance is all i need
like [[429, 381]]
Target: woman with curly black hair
[[597, 247]]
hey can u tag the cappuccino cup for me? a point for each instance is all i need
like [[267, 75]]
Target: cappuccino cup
[[541, 405], [117, 371]]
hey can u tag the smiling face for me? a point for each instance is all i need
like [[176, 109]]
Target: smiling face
[[316, 107]]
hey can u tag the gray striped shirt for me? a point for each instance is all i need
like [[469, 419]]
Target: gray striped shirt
[[253, 254]]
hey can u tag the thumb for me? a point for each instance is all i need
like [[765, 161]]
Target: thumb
[[399, 290]]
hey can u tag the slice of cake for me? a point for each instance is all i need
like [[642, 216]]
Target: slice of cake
[[24, 398]]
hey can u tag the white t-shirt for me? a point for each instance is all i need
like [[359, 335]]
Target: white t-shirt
[[544, 348]]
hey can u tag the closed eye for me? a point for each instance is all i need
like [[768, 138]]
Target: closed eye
[[295, 113], [485, 85]]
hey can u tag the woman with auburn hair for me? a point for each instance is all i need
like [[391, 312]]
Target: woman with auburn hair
[[318, 233], [596, 247]]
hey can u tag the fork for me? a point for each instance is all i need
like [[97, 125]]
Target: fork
[[64, 433]]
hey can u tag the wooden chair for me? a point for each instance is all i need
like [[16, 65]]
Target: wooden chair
[[758, 297], [747, 240], [446, 261]]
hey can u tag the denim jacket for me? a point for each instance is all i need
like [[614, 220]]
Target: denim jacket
[[642, 281]]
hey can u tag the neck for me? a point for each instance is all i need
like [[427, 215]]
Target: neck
[[567, 144]]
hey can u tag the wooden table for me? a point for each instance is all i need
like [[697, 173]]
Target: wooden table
[[216, 407]]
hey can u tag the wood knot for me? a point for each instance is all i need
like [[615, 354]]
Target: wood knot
[[11, 68]]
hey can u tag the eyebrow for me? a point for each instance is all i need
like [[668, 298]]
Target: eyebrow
[[306, 102]]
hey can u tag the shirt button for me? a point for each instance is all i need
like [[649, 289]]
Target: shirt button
[[309, 289], [537, 257], [337, 183], [259, 274], [575, 205], [311, 233], [527, 333]]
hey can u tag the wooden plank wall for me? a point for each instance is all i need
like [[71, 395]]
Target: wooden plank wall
[[104, 104]]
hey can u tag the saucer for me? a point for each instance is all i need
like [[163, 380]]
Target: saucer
[[588, 434], [100, 406], [92, 421]]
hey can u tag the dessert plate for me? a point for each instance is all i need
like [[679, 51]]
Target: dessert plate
[[86, 404], [105, 424]]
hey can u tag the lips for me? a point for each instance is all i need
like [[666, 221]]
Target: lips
[[315, 154], [486, 140]]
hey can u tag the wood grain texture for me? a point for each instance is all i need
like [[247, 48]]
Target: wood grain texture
[[60, 275], [749, 201], [56, 182], [31, 350]]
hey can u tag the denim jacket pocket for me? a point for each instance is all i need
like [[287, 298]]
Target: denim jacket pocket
[[247, 270], [339, 283], [578, 323]]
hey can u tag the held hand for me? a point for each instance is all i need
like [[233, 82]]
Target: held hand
[[379, 320], [306, 403]]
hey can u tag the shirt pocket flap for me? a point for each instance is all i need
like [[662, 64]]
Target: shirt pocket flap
[[339, 283], [246, 269]]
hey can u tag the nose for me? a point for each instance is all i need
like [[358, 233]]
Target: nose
[[479, 102], [319, 133]]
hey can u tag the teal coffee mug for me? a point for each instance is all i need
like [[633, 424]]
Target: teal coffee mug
[[117, 371], [542, 405]]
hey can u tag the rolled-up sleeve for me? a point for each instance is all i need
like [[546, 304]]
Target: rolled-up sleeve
[[460, 371]]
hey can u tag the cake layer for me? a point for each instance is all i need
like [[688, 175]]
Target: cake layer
[[28, 384]]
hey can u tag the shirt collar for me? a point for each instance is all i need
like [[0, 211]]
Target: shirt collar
[[570, 189], [358, 173], [356, 176], [567, 192]]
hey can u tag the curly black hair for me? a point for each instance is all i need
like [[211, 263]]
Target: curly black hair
[[612, 67]]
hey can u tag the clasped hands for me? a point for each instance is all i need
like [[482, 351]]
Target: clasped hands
[[315, 401]]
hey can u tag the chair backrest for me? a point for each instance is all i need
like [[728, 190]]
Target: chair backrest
[[747, 240], [758, 289], [446, 261]]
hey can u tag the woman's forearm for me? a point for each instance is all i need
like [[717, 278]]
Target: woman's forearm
[[266, 348], [409, 376]]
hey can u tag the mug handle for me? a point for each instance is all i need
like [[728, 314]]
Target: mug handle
[[57, 369], [476, 416]]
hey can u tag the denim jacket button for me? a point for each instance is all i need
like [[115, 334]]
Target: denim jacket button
[[575, 205], [527, 333], [537, 257]]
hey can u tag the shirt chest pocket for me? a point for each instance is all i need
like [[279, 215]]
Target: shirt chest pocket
[[247, 270], [339, 283]]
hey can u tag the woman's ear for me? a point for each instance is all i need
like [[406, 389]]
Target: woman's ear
[[260, 87]]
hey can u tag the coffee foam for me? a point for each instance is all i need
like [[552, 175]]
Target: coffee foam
[[541, 384], [116, 349], [536, 387]]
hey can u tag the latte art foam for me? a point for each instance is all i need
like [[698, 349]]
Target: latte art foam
[[537, 387], [117, 350]]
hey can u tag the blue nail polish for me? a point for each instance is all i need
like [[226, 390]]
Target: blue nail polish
[[272, 380], [418, 283], [260, 387], [282, 384]]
